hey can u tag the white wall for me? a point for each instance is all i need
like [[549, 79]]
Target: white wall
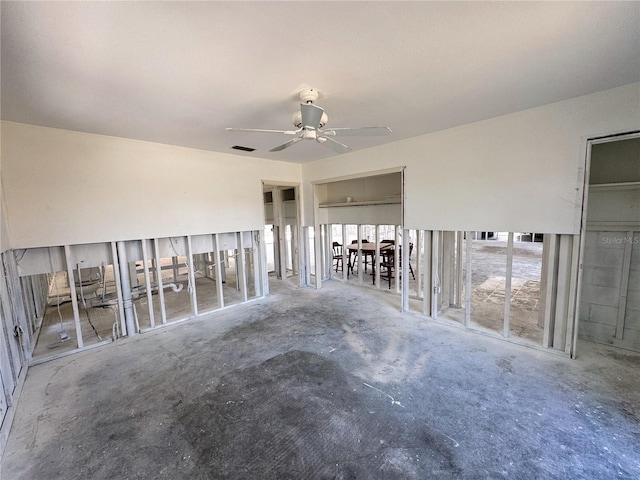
[[63, 187], [517, 172]]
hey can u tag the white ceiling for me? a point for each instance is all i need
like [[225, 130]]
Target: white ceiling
[[180, 72]]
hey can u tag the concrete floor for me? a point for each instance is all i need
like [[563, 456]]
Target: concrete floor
[[326, 384]]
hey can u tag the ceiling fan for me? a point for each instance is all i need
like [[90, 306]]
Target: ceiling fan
[[310, 121]]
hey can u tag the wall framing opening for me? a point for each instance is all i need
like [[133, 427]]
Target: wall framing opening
[[608, 281]]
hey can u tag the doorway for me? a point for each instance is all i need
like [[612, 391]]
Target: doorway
[[282, 232], [609, 283]]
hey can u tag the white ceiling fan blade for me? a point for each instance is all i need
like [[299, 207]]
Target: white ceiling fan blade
[[333, 145], [364, 131], [286, 144], [286, 132], [311, 115]]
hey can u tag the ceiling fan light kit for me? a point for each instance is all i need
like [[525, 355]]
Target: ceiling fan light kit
[[310, 120]]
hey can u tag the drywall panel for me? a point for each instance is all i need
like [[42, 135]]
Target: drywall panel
[[90, 255], [228, 241], [172, 247], [34, 261], [517, 172], [201, 244], [64, 187]]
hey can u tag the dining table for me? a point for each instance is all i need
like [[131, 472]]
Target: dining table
[[367, 248]]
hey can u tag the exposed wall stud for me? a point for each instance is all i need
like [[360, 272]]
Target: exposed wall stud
[[405, 271], [376, 265], [74, 298], [418, 248], [467, 293], [147, 281], [156, 251], [218, 266], [240, 266], [396, 258], [191, 272], [360, 259], [435, 284], [507, 287], [572, 320], [258, 263], [562, 291], [345, 253], [427, 284], [550, 269], [459, 269]]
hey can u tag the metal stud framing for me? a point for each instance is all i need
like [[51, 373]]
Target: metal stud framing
[[507, 287]]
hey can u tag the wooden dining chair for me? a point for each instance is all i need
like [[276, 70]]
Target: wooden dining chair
[[410, 267], [337, 256], [353, 254], [387, 263]]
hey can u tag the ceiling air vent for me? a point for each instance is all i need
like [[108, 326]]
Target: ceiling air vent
[[244, 149]]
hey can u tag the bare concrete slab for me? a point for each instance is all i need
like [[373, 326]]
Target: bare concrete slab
[[326, 384]]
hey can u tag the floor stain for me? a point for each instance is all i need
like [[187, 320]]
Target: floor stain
[[299, 415]]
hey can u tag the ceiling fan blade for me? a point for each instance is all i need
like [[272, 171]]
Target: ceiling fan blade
[[333, 145], [364, 131], [286, 144], [286, 132], [311, 115]]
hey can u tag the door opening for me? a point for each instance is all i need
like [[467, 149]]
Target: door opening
[[281, 232], [609, 278]]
